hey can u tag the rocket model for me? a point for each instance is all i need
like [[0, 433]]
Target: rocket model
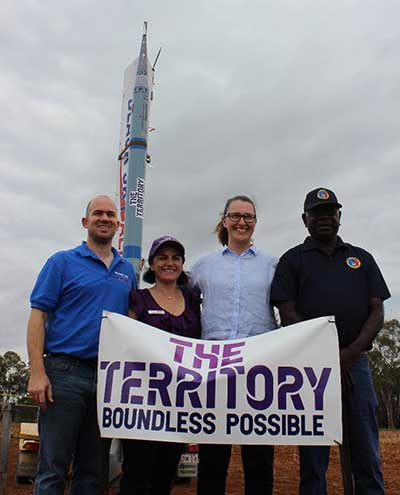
[[137, 93]]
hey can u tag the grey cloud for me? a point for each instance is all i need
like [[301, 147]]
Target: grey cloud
[[269, 99]]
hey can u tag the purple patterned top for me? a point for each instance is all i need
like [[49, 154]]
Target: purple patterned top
[[148, 311]]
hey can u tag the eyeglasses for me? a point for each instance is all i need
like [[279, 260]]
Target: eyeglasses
[[235, 217]]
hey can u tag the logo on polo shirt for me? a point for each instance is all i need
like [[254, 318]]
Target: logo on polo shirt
[[322, 194], [353, 262], [122, 277]]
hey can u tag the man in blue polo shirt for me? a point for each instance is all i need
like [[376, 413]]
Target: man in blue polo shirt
[[325, 276], [70, 294]]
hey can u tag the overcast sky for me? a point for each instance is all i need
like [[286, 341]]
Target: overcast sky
[[264, 98]]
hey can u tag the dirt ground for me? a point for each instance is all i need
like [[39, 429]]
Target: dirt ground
[[286, 470]]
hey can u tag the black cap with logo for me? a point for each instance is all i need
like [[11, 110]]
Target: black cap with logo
[[320, 196]]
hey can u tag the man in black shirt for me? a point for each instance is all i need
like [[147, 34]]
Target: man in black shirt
[[325, 276]]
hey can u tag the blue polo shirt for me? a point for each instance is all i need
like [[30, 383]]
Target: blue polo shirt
[[74, 287]]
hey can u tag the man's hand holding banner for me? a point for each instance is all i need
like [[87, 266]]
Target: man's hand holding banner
[[279, 388]]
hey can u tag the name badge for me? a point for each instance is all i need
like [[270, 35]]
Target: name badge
[[156, 312]]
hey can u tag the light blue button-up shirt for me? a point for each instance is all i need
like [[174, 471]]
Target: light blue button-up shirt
[[235, 292]]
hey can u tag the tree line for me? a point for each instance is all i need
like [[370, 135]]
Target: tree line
[[14, 376], [385, 367], [384, 361]]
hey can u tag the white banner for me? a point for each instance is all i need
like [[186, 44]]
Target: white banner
[[278, 388]]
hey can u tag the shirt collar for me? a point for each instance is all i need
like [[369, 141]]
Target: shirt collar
[[85, 252], [250, 250], [310, 244]]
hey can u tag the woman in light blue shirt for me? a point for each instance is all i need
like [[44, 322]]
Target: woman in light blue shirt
[[235, 283]]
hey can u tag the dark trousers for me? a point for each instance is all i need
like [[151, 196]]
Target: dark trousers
[[149, 467], [257, 463], [363, 439]]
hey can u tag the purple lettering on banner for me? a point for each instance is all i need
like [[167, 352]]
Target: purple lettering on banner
[[110, 368], [201, 355], [318, 425], [179, 349], [318, 386], [260, 426], [143, 420], [131, 382], [130, 418], [283, 424], [246, 424], [210, 402], [209, 425], [168, 425], [107, 417], [231, 354], [181, 421], [304, 430], [285, 389], [293, 424], [160, 384], [195, 419], [118, 417], [187, 386], [273, 425], [231, 384], [231, 421], [268, 396], [158, 420]]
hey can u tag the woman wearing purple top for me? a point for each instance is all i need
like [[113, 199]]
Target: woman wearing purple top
[[150, 466]]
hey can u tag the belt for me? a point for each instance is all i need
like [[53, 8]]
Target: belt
[[91, 362]]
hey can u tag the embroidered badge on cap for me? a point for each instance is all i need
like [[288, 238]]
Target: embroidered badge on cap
[[322, 194], [353, 262]]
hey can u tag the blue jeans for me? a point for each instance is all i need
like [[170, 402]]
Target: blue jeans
[[363, 439], [69, 431]]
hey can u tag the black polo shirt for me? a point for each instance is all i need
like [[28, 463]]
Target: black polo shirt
[[339, 284]]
